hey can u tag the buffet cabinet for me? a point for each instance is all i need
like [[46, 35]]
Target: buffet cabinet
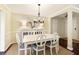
[[63, 42], [76, 46]]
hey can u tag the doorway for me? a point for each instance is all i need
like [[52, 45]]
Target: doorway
[[59, 25]]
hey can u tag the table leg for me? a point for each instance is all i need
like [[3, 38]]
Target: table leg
[[25, 49], [57, 48]]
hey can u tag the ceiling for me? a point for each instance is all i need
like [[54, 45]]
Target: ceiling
[[32, 9]]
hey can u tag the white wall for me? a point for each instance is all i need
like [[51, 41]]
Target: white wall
[[54, 23], [76, 25], [62, 27], [59, 25]]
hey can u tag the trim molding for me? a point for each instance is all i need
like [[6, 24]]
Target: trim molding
[[9, 47], [3, 52]]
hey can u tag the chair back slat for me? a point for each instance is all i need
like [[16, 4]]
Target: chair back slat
[[40, 41], [19, 37], [54, 41]]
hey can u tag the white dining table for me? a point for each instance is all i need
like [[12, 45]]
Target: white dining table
[[31, 39]]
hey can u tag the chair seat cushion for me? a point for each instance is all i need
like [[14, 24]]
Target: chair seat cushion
[[34, 45], [49, 44], [39, 48]]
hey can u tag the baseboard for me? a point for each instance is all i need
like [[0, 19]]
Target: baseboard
[[70, 48], [3, 52], [11, 42], [9, 47]]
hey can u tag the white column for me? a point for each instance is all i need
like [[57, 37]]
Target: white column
[[2, 31], [69, 29]]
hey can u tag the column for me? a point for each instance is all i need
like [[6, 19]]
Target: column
[[69, 29], [2, 31]]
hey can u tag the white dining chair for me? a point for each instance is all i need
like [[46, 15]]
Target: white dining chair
[[21, 45], [52, 43], [40, 44]]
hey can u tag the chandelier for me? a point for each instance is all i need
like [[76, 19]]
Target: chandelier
[[38, 23], [39, 19], [38, 10]]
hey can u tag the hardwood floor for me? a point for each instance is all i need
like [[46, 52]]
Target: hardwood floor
[[62, 51]]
